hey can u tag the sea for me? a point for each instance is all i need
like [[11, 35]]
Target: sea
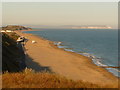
[[101, 45]]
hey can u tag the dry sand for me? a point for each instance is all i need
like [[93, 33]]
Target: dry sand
[[46, 56]]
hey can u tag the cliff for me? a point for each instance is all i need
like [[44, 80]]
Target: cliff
[[11, 54]]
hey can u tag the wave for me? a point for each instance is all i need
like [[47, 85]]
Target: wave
[[69, 50], [96, 60], [57, 43]]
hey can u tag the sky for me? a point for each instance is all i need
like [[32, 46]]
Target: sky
[[60, 13]]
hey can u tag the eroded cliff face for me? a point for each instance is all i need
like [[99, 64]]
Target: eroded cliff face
[[13, 57]]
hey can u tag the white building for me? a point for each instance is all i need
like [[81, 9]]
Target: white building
[[9, 31], [2, 30]]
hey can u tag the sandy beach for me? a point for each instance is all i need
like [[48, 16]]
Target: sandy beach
[[44, 55]]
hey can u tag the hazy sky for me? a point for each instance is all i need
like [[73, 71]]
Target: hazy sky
[[61, 13]]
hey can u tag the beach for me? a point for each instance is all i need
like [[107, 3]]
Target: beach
[[44, 55]]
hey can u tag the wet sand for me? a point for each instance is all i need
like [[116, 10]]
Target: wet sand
[[46, 56]]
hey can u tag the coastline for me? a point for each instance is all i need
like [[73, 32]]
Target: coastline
[[81, 66], [59, 45]]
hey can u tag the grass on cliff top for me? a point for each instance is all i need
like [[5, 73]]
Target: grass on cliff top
[[30, 79]]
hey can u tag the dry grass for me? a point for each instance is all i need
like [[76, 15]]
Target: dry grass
[[30, 79]]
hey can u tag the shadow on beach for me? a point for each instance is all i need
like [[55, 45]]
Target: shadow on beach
[[35, 66]]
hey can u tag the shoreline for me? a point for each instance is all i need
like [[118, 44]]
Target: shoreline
[[77, 54], [87, 61], [74, 52]]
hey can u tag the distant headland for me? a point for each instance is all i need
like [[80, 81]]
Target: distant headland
[[15, 27], [92, 27]]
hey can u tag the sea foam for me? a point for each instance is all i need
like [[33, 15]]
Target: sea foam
[[96, 60]]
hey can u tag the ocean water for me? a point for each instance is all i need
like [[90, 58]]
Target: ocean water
[[101, 45]]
